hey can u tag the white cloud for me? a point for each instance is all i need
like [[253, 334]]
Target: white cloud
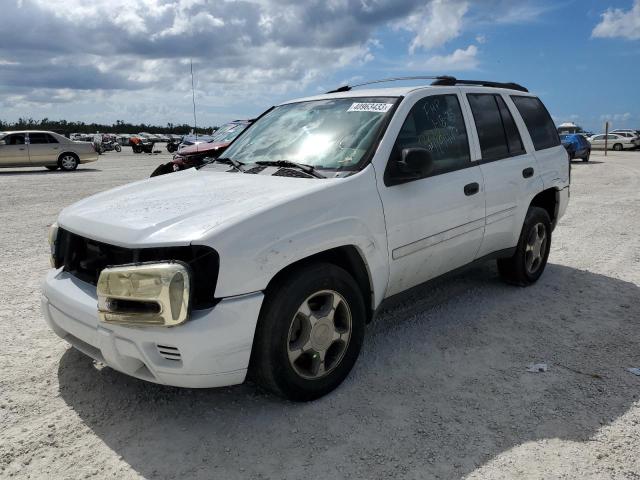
[[459, 60], [129, 59], [619, 23], [616, 117], [435, 24]]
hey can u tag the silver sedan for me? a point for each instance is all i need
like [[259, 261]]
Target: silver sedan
[[31, 148]]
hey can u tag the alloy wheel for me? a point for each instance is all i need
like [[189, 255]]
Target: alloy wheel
[[535, 248], [319, 334]]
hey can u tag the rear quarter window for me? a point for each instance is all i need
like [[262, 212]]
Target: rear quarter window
[[538, 121]]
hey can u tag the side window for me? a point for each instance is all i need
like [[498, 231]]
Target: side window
[[486, 114], [514, 142], [599, 137], [51, 138], [37, 138], [436, 124], [538, 121], [16, 139]]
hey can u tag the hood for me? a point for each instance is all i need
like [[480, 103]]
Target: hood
[[180, 208], [201, 148]]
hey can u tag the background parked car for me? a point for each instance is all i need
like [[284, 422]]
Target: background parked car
[[43, 149], [631, 135], [195, 155], [577, 146], [614, 142]]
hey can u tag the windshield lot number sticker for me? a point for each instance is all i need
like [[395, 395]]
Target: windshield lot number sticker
[[370, 107]]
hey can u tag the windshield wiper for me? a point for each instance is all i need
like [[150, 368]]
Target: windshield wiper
[[289, 164], [229, 161]]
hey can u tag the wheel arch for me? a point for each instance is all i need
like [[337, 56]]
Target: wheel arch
[[549, 200], [347, 257]]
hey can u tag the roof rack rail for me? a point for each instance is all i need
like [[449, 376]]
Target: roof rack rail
[[450, 81], [346, 88]]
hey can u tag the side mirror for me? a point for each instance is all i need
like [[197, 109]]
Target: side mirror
[[414, 163]]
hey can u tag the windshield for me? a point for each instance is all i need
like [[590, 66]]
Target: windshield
[[330, 134], [228, 132]]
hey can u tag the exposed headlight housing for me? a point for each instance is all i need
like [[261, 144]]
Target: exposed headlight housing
[[53, 239], [154, 294]]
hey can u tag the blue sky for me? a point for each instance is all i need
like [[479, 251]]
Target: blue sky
[[110, 60]]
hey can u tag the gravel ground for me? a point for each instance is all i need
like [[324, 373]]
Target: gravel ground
[[440, 389]]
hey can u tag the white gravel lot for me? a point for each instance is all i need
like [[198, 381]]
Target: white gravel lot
[[440, 389]]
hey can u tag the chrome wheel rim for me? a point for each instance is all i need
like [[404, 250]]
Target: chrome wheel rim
[[535, 248], [68, 161], [319, 334]]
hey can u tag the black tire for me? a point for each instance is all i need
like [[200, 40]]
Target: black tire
[[515, 270], [51, 167], [270, 366], [586, 159], [617, 147], [68, 162], [137, 149], [118, 148]]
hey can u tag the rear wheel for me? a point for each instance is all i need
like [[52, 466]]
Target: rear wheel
[[586, 159], [309, 333], [68, 162], [532, 251]]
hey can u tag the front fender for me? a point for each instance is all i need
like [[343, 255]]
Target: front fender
[[347, 213]]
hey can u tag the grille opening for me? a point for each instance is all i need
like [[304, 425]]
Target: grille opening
[[85, 258], [169, 353]]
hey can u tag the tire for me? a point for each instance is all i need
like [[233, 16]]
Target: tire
[[530, 259], [294, 359], [617, 147], [118, 148], [586, 159], [51, 167], [137, 149], [68, 162]]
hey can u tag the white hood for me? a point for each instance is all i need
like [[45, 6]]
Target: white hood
[[179, 208]]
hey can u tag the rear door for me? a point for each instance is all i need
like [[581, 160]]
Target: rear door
[[435, 223], [539, 127], [43, 149], [510, 171], [14, 150]]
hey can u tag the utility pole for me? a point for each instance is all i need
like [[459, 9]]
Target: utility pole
[[606, 137]]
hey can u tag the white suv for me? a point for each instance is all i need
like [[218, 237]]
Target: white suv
[[271, 261]]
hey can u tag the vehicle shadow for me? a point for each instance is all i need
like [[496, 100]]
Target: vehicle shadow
[[580, 162], [46, 172], [440, 388]]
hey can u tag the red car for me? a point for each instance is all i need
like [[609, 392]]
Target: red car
[[195, 155]]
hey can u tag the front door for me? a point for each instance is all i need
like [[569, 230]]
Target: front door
[[435, 223], [14, 150]]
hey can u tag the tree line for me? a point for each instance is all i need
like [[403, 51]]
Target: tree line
[[65, 128]]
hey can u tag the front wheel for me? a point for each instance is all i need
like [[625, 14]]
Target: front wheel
[[118, 148], [586, 159], [532, 251], [68, 162], [309, 334], [617, 147]]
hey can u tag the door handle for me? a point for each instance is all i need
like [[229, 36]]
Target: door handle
[[527, 172], [471, 189]]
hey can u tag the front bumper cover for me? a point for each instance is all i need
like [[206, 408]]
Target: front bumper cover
[[212, 349]]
